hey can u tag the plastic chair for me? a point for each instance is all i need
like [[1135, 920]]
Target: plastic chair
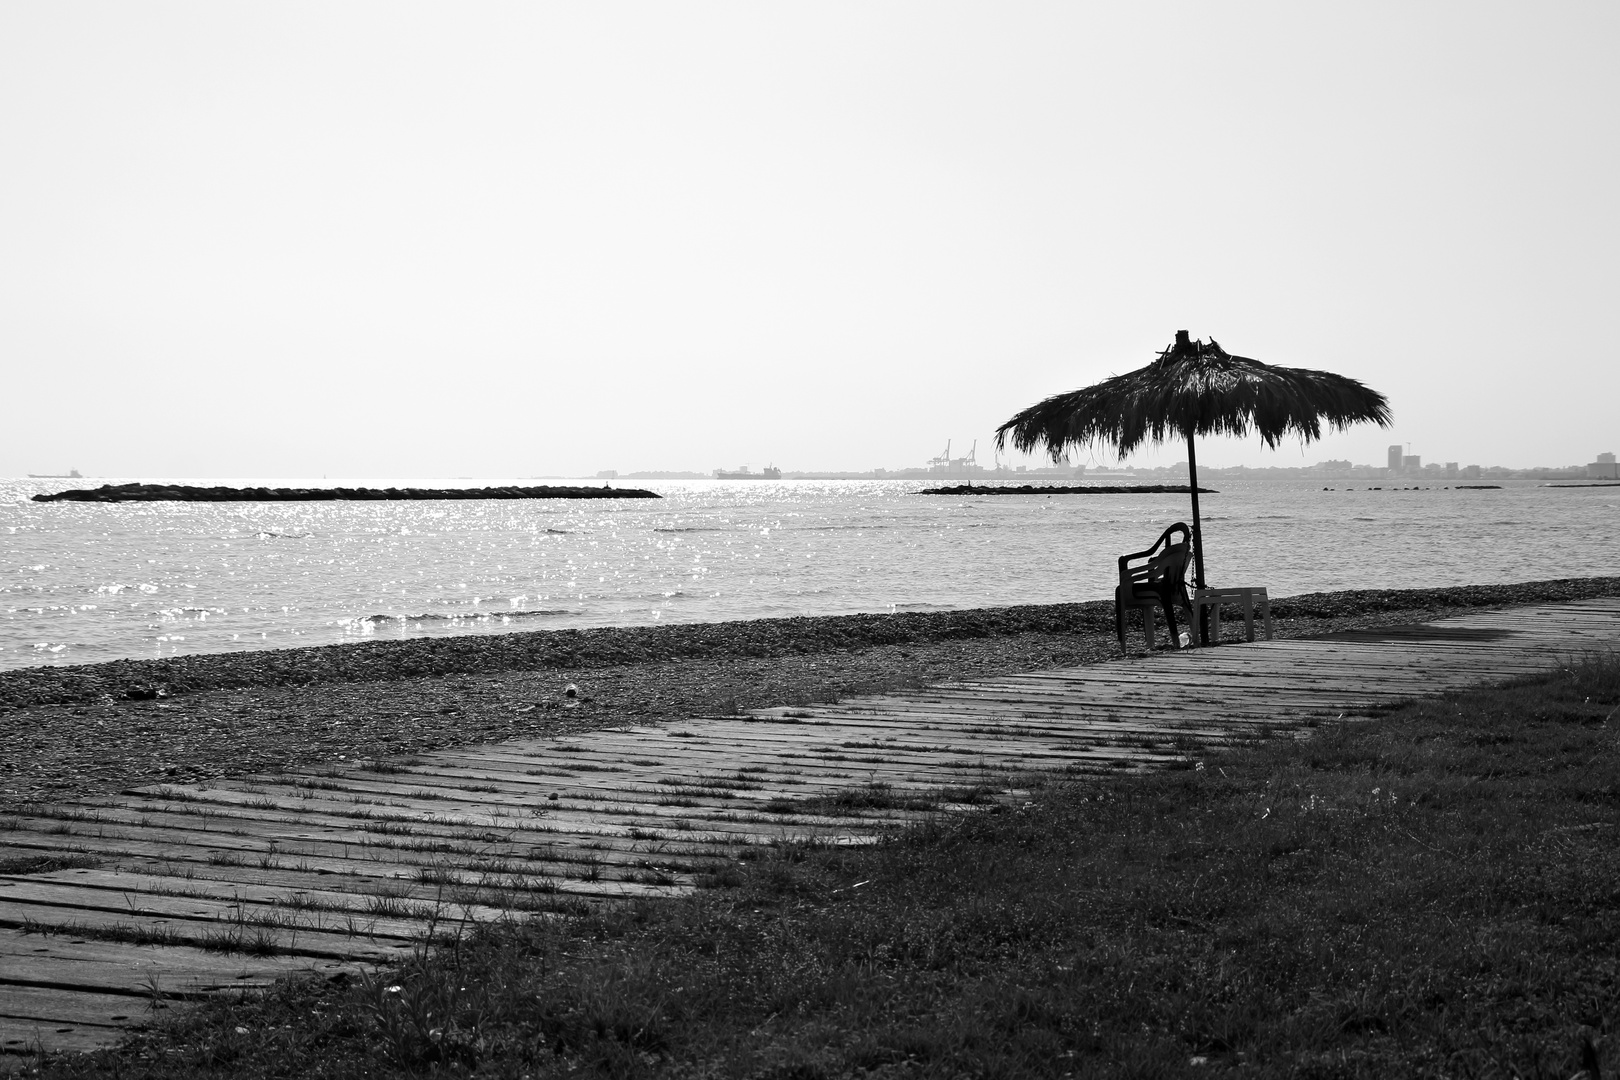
[[1158, 580]]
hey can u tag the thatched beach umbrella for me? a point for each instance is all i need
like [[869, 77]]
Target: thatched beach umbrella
[[1195, 388]]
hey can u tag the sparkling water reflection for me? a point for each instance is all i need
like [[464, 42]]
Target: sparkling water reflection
[[87, 582]]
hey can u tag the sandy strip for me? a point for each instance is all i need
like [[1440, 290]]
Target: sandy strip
[[103, 727]]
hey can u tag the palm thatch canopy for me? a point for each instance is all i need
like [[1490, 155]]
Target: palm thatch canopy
[[1195, 388]]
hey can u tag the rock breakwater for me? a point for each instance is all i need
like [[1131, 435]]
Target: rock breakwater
[[108, 493]]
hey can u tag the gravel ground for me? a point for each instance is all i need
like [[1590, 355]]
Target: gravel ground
[[98, 728]]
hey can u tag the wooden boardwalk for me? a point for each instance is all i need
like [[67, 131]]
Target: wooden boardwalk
[[168, 894]]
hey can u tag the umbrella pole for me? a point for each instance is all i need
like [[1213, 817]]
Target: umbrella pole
[[1197, 537], [1197, 529]]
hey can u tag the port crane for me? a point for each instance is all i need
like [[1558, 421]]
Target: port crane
[[946, 463]]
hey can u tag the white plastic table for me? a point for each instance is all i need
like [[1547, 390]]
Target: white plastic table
[[1251, 597]]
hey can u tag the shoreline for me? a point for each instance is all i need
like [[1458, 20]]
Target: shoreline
[[612, 646], [100, 728]]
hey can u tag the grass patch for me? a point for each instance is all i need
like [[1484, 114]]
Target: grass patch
[[44, 864], [875, 796], [700, 790], [741, 782], [125, 933], [1430, 893]]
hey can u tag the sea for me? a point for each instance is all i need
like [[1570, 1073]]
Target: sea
[[82, 582]]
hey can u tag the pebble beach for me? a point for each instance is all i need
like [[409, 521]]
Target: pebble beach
[[99, 728]]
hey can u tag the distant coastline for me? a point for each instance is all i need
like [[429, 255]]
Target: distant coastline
[[109, 493]]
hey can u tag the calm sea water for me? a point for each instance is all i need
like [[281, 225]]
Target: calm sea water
[[83, 582]]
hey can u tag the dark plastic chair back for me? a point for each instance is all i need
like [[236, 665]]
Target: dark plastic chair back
[[1159, 579]]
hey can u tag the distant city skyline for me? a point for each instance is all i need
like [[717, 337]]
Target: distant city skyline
[[405, 240], [1604, 464], [1023, 463]]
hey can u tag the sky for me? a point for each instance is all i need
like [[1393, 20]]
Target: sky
[[417, 240]]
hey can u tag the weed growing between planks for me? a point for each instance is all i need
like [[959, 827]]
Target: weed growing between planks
[[1430, 893], [44, 864]]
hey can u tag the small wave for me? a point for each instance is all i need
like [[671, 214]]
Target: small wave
[[837, 528], [471, 616], [199, 613], [265, 535], [1363, 519], [693, 528]]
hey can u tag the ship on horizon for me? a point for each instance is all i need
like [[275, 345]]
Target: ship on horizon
[[967, 467], [742, 472], [71, 474]]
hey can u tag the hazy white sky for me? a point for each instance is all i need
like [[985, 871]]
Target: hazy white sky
[[400, 239]]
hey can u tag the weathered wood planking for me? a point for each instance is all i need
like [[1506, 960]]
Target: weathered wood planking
[[332, 868]]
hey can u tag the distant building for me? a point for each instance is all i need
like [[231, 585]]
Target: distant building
[[1470, 472], [1412, 462], [1451, 468], [1604, 468], [1395, 453], [608, 474]]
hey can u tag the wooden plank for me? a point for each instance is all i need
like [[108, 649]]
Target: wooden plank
[[360, 861], [332, 945], [63, 903], [25, 1009], [1062, 713], [67, 962], [444, 817], [333, 847], [77, 976], [707, 772], [51, 1007], [19, 1038], [248, 897], [364, 888]]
